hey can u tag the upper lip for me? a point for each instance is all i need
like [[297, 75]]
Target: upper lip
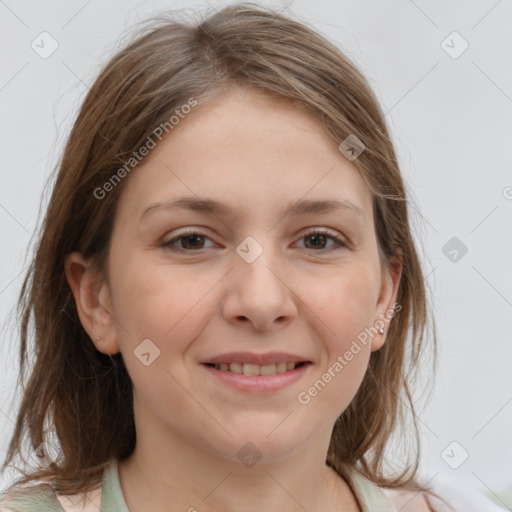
[[252, 358]]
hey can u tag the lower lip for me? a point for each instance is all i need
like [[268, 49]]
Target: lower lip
[[258, 383]]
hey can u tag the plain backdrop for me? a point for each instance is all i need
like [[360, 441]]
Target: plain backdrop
[[449, 109]]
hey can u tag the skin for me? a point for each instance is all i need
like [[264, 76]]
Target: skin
[[256, 154]]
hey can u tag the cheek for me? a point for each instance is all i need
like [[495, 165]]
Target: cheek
[[346, 304], [161, 304], [167, 307]]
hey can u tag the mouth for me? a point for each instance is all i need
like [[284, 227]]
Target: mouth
[[254, 370], [256, 373], [269, 377]]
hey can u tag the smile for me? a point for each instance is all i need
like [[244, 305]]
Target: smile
[[251, 378], [255, 369]]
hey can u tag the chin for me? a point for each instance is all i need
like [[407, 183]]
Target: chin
[[257, 444]]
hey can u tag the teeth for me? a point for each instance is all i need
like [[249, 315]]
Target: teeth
[[268, 369], [281, 367], [251, 369], [254, 369], [234, 367]]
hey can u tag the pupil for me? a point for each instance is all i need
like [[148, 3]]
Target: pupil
[[316, 237], [187, 238]]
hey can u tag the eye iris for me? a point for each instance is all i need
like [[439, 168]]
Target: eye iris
[[196, 240], [187, 238], [316, 236]]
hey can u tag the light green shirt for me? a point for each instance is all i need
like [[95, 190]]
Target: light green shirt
[[112, 499]]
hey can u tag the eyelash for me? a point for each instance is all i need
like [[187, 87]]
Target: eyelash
[[170, 245]]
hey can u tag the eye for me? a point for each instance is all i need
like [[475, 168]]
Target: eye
[[193, 240], [190, 240], [319, 237]]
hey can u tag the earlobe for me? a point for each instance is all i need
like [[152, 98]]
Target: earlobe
[[391, 274], [91, 296]]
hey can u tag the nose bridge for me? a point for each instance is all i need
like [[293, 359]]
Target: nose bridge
[[259, 256], [257, 290]]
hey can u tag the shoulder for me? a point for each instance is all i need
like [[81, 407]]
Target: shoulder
[[413, 501], [449, 497], [34, 498], [42, 498], [374, 497], [85, 502]]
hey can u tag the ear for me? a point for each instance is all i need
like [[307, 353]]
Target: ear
[[385, 308], [93, 302]]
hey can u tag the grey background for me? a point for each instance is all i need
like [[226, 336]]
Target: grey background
[[451, 123]]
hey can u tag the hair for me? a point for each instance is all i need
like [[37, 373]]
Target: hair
[[84, 395]]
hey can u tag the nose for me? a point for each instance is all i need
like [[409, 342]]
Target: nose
[[259, 294]]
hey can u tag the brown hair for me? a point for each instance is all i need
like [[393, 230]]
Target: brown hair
[[85, 395]]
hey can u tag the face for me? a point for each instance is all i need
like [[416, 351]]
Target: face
[[264, 274]]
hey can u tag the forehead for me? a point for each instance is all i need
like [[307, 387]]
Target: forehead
[[250, 152]]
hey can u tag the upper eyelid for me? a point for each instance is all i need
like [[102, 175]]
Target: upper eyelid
[[303, 232], [339, 239]]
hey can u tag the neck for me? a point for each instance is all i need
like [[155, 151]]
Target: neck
[[152, 478]]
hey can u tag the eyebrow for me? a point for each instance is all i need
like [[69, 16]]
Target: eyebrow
[[211, 206]]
